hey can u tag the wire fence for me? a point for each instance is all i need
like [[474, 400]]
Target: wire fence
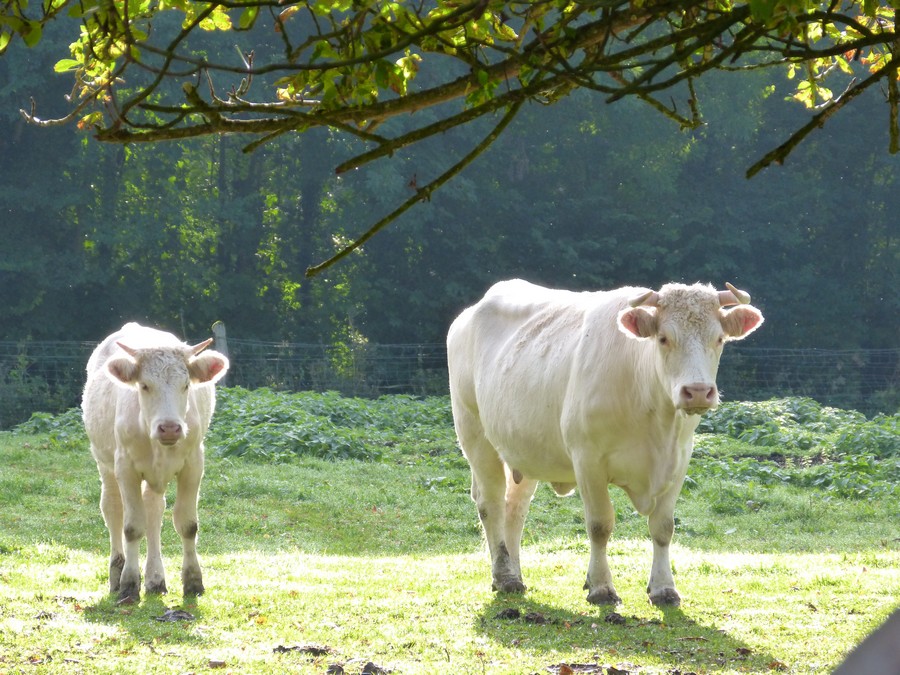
[[48, 376]]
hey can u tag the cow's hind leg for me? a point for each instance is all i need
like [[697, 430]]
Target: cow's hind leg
[[489, 495], [518, 500], [111, 508], [184, 517], [154, 573]]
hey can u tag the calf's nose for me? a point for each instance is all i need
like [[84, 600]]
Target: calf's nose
[[698, 395], [169, 432]]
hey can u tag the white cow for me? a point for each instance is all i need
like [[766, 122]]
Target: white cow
[[586, 390], [147, 405]]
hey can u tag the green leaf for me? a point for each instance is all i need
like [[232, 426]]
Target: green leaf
[[248, 18], [65, 65], [32, 34]]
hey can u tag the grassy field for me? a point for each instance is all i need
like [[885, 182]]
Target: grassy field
[[337, 535]]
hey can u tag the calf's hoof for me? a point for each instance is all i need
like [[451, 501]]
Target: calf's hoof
[[605, 595], [665, 597], [192, 585], [508, 585], [116, 565]]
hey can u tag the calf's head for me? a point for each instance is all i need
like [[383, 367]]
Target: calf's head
[[686, 328], [163, 377]]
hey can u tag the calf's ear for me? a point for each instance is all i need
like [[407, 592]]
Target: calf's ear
[[210, 366], [739, 322], [122, 369], [638, 322]]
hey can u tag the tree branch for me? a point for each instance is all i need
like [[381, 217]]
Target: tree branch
[[779, 154], [422, 194]]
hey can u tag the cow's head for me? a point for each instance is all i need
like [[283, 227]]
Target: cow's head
[[163, 377], [689, 326]]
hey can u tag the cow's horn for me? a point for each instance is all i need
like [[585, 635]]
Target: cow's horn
[[650, 298], [196, 349], [733, 296], [128, 350]]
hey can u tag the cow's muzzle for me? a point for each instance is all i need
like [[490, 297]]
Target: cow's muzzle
[[698, 398]]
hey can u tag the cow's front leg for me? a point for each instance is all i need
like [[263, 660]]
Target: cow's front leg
[[661, 587], [135, 524], [154, 573], [600, 518], [186, 523]]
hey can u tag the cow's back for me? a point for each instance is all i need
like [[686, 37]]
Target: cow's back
[[524, 357]]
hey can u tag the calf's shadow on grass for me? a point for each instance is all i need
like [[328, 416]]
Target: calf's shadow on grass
[[613, 637], [150, 619]]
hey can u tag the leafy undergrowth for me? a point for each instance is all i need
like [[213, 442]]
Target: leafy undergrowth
[[337, 535], [796, 441]]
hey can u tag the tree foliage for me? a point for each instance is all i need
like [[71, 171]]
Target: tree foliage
[[150, 70]]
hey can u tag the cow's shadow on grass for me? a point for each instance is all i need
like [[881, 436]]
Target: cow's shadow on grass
[[154, 617], [611, 636]]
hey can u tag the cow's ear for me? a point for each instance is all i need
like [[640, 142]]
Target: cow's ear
[[739, 322], [638, 322], [122, 369], [210, 366]]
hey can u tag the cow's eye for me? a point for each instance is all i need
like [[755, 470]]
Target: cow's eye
[[145, 387], [663, 340]]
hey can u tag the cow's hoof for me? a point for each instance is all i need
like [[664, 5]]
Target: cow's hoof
[[508, 585], [603, 596], [129, 595], [156, 588], [193, 587], [667, 597]]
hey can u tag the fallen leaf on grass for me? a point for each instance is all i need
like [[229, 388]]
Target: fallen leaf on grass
[[508, 613], [571, 668], [313, 650], [615, 618], [536, 618], [172, 615]]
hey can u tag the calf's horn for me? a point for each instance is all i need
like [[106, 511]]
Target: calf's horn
[[733, 296], [197, 348]]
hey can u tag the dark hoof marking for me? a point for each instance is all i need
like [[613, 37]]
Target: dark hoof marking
[[667, 597], [508, 586], [603, 596]]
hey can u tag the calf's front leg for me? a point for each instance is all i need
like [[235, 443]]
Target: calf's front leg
[[111, 508], [154, 573], [184, 517], [135, 524]]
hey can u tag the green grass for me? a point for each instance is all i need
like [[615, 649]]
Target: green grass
[[363, 546]]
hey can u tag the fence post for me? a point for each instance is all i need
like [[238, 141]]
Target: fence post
[[221, 344]]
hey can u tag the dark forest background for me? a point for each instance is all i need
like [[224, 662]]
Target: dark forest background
[[580, 194]]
